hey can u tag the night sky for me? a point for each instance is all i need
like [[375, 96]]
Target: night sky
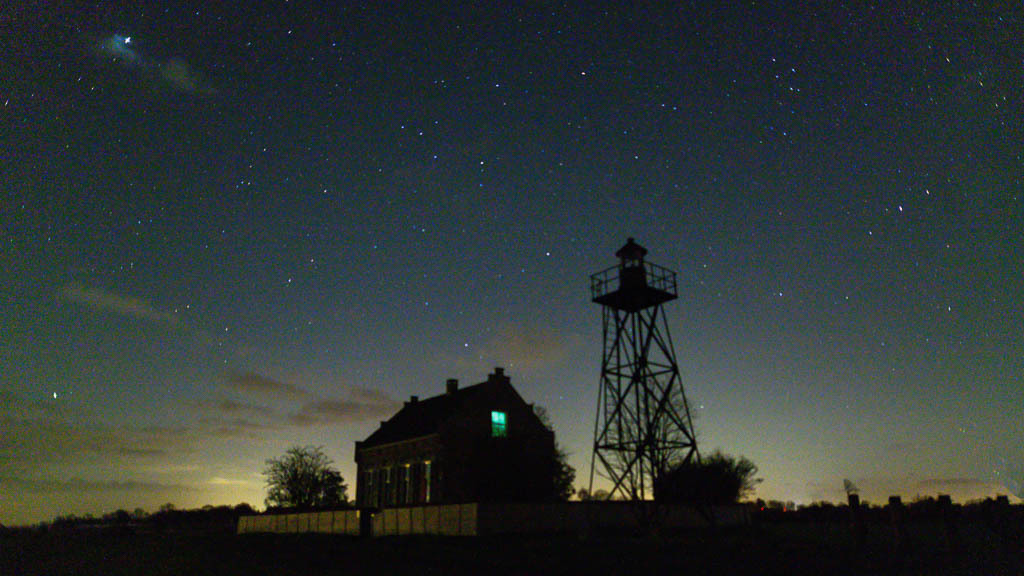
[[229, 230]]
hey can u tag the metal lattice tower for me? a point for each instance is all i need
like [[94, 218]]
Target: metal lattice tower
[[643, 422]]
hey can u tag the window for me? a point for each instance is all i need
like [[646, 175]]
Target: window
[[366, 496], [498, 425], [405, 492], [426, 477]]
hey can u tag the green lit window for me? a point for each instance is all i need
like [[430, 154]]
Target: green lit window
[[498, 424]]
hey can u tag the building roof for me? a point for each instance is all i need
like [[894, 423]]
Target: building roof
[[424, 417]]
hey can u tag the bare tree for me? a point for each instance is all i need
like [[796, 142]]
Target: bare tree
[[304, 478]]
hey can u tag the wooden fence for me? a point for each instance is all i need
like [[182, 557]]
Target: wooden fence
[[472, 519]]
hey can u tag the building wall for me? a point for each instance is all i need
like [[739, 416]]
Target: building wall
[[483, 468], [399, 474]]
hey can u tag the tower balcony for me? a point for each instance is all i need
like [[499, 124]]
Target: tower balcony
[[633, 287]]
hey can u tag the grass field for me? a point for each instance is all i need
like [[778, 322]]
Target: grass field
[[776, 548]]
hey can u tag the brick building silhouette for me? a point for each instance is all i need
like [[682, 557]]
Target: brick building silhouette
[[481, 443]]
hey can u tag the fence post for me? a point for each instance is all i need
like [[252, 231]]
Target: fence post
[[899, 528]]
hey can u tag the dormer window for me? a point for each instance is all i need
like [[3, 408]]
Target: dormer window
[[498, 424]]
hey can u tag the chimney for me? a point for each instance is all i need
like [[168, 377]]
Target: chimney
[[498, 376], [414, 399], [452, 385]]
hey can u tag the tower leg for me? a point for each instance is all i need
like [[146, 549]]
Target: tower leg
[[643, 424]]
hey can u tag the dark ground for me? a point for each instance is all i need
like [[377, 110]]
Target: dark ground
[[776, 548]]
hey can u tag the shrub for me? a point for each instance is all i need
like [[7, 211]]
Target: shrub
[[714, 479]]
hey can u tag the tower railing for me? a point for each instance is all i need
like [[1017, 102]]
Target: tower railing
[[607, 281]]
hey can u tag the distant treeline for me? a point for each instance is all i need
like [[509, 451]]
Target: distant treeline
[[990, 522], [167, 517], [919, 509]]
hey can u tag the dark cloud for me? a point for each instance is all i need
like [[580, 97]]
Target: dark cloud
[[376, 397], [364, 405], [36, 442], [37, 433], [78, 485], [253, 383], [233, 418], [529, 347], [119, 304], [130, 306], [143, 452], [359, 404], [229, 406], [174, 73], [238, 427], [177, 73]]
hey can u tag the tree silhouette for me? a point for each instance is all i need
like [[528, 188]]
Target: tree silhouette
[[304, 478], [564, 474], [600, 494], [716, 479]]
